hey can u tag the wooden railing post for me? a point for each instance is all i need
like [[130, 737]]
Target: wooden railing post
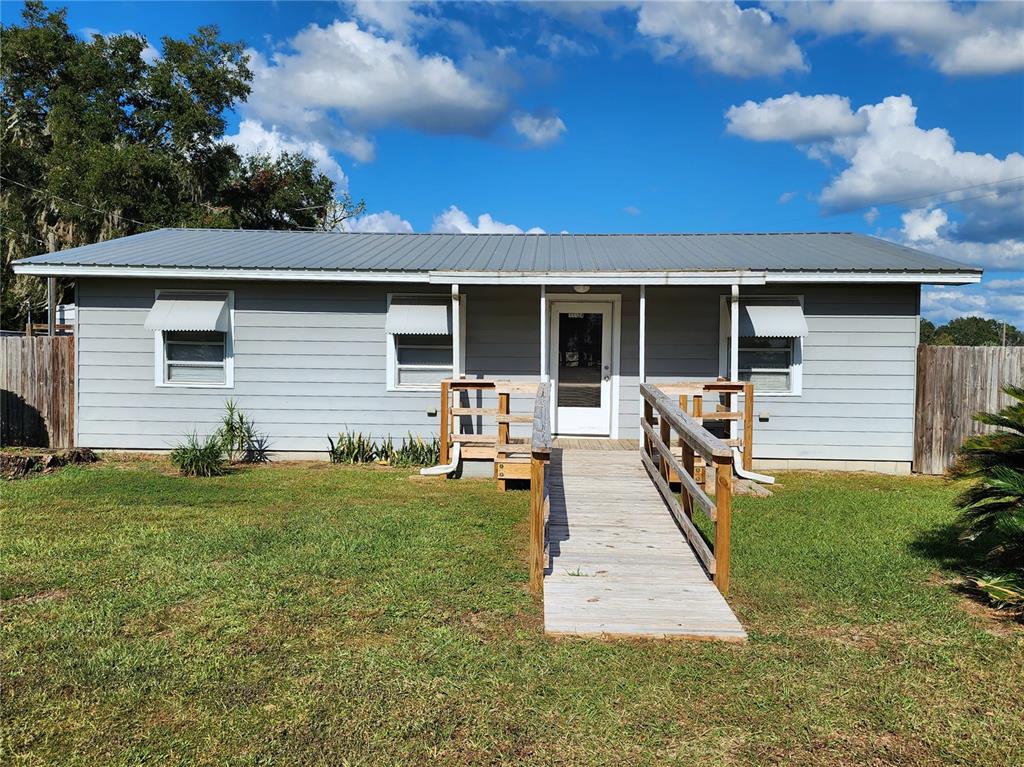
[[536, 525], [748, 426], [723, 521], [649, 418], [540, 454], [446, 426]]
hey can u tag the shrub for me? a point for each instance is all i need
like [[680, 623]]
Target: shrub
[[197, 457], [242, 442], [352, 447], [415, 451], [992, 509]]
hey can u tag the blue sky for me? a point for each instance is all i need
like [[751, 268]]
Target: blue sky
[[901, 120]]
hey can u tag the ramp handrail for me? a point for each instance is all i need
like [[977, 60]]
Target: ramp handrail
[[657, 457], [540, 456]]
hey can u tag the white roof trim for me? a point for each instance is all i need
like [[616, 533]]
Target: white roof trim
[[416, 315], [189, 311], [777, 319], [507, 278]]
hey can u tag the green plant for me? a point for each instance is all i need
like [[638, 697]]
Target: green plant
[[992, 509], [199, 457], [242, 442], [385, 452], [415, 451], [352, 447], [1003, 590]]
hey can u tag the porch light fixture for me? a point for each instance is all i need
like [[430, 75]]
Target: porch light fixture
[[581, 288]]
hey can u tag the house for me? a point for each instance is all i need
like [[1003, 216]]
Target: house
[[314, 332]]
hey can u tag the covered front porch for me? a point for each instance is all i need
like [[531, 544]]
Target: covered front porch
[[597, 344]]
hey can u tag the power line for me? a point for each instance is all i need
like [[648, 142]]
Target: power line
[[79, 204], [993, 193], [25, 234]]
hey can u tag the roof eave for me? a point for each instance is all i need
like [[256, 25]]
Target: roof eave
[[605, 277]]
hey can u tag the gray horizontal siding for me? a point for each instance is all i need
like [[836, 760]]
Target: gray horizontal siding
[[310, 360], [859, 376]]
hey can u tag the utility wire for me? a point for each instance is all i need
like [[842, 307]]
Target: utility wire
[[80, 205]]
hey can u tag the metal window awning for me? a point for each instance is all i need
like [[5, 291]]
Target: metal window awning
[[189, 311], [772, 320], [419, 316]]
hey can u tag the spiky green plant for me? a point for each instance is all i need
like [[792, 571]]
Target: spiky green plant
[[415, 451], [992, 509], [352, 447], [199, 457], [241, 440]]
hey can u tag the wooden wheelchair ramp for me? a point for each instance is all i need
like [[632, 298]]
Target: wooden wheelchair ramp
[[618, 563]]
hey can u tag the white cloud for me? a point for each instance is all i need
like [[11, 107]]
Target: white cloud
[[384, 221], [632, 210], [539, 130], [941, 304], [455, 221], [794, 118], [960, 39], [396, 18], [253, 138], [891, 160], [923, 224], [341, 74], [786, 197], [743, 42]]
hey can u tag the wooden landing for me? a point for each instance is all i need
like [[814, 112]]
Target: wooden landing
[[619, 564]]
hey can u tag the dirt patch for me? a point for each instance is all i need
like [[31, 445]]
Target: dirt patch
[[50, 595], [1004, 624]]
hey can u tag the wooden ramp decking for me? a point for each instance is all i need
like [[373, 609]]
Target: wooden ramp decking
[[619, 564]]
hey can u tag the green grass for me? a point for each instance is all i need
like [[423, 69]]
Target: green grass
[[349, 616]]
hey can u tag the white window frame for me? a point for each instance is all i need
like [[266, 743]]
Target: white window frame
[[391, 344], [160, 348], [796, 365]]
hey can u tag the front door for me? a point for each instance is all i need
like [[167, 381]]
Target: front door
[[581, 366]]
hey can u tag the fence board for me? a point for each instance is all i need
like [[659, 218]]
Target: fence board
[[954, 383], [37, 379]]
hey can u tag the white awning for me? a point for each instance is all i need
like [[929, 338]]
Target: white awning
[[189, 311], [419, 315], [772, 319]]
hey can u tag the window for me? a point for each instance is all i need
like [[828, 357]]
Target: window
[[770, 346], [767, 363], [422, 361], [192, 333], [420, 341], [194, 357]]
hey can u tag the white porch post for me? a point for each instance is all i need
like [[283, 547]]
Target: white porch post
[[643, 334], [456, 333], [734, 352], [544, 376]]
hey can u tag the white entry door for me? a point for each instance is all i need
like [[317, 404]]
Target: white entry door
[[581, 366]]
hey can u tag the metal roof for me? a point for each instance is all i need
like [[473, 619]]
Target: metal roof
[[226, 249]]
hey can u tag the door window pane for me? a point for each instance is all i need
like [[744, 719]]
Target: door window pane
[[579, 359]]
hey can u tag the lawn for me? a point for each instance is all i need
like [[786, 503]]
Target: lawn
[[312, 614]]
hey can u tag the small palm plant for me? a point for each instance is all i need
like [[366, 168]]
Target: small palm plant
[[992, 509]]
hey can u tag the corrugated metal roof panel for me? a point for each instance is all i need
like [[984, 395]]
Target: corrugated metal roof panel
[[331, 251]]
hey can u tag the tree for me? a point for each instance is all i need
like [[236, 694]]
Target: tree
[[970, 331], [96, 143]]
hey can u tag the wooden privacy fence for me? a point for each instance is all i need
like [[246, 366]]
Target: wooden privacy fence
[[954, 383], [661, 464], [37, 378]]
